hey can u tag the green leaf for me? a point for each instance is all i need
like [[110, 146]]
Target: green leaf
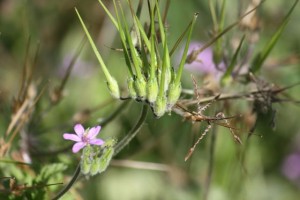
[[193, 56], [50, 170], [261, 56]]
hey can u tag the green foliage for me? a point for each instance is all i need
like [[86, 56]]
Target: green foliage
[[51, 172], [260, 58], [47, 89]]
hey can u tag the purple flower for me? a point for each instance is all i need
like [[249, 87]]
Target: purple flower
[[291, 167], [83, 137], [204, 63]]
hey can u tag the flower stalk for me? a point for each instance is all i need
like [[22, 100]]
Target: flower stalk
[[111, 82]]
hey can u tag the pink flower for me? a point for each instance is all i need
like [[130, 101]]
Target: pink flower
[[83, 137], [291, 167], [204, 63]]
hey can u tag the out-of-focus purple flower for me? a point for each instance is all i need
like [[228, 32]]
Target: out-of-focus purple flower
[[291, 167], [83, 137], [204, 63], [81, 67]]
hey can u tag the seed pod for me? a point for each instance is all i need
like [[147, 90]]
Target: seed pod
[[140, 88], [113, 87], [86, 158], [152, 90], [85, 166], [131, 88], [105, 158], [173, 95], [159, 107], [95, 166]]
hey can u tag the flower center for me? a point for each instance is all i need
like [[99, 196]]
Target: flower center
[[85, 138]]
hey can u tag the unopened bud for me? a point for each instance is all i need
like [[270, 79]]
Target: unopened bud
[[105, 158], [173, 95], [113, 87], [85, 163], [95, 166], [131, 88], [152, 90], [140, 88], [159, 107]]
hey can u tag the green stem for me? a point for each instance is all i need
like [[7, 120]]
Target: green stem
[[132, 133], [102, 64], [152, 48], [109, 15], [207, 183], [115, 113], [123, 40], [70, 184], [163, 71], [131, 46], [182, 62]]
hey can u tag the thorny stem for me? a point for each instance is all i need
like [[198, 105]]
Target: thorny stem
[[132, 133]]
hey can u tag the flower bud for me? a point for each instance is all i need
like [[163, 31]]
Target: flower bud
[[87, 151], [105, 158], [113, 87], [85, 167], [167, 78], [131, 88], [152, 90], [140, 88], [85, 163], [95, 166], [173, 95], [159, 107]]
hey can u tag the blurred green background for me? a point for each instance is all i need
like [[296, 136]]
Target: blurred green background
[[259, 174]]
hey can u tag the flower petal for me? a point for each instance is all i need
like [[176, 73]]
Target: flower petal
[[73, 137], [79, 130], [93, 132], [77, 146], [96, 142]]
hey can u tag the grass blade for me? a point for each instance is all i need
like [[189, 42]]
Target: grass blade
[[261, 56]]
